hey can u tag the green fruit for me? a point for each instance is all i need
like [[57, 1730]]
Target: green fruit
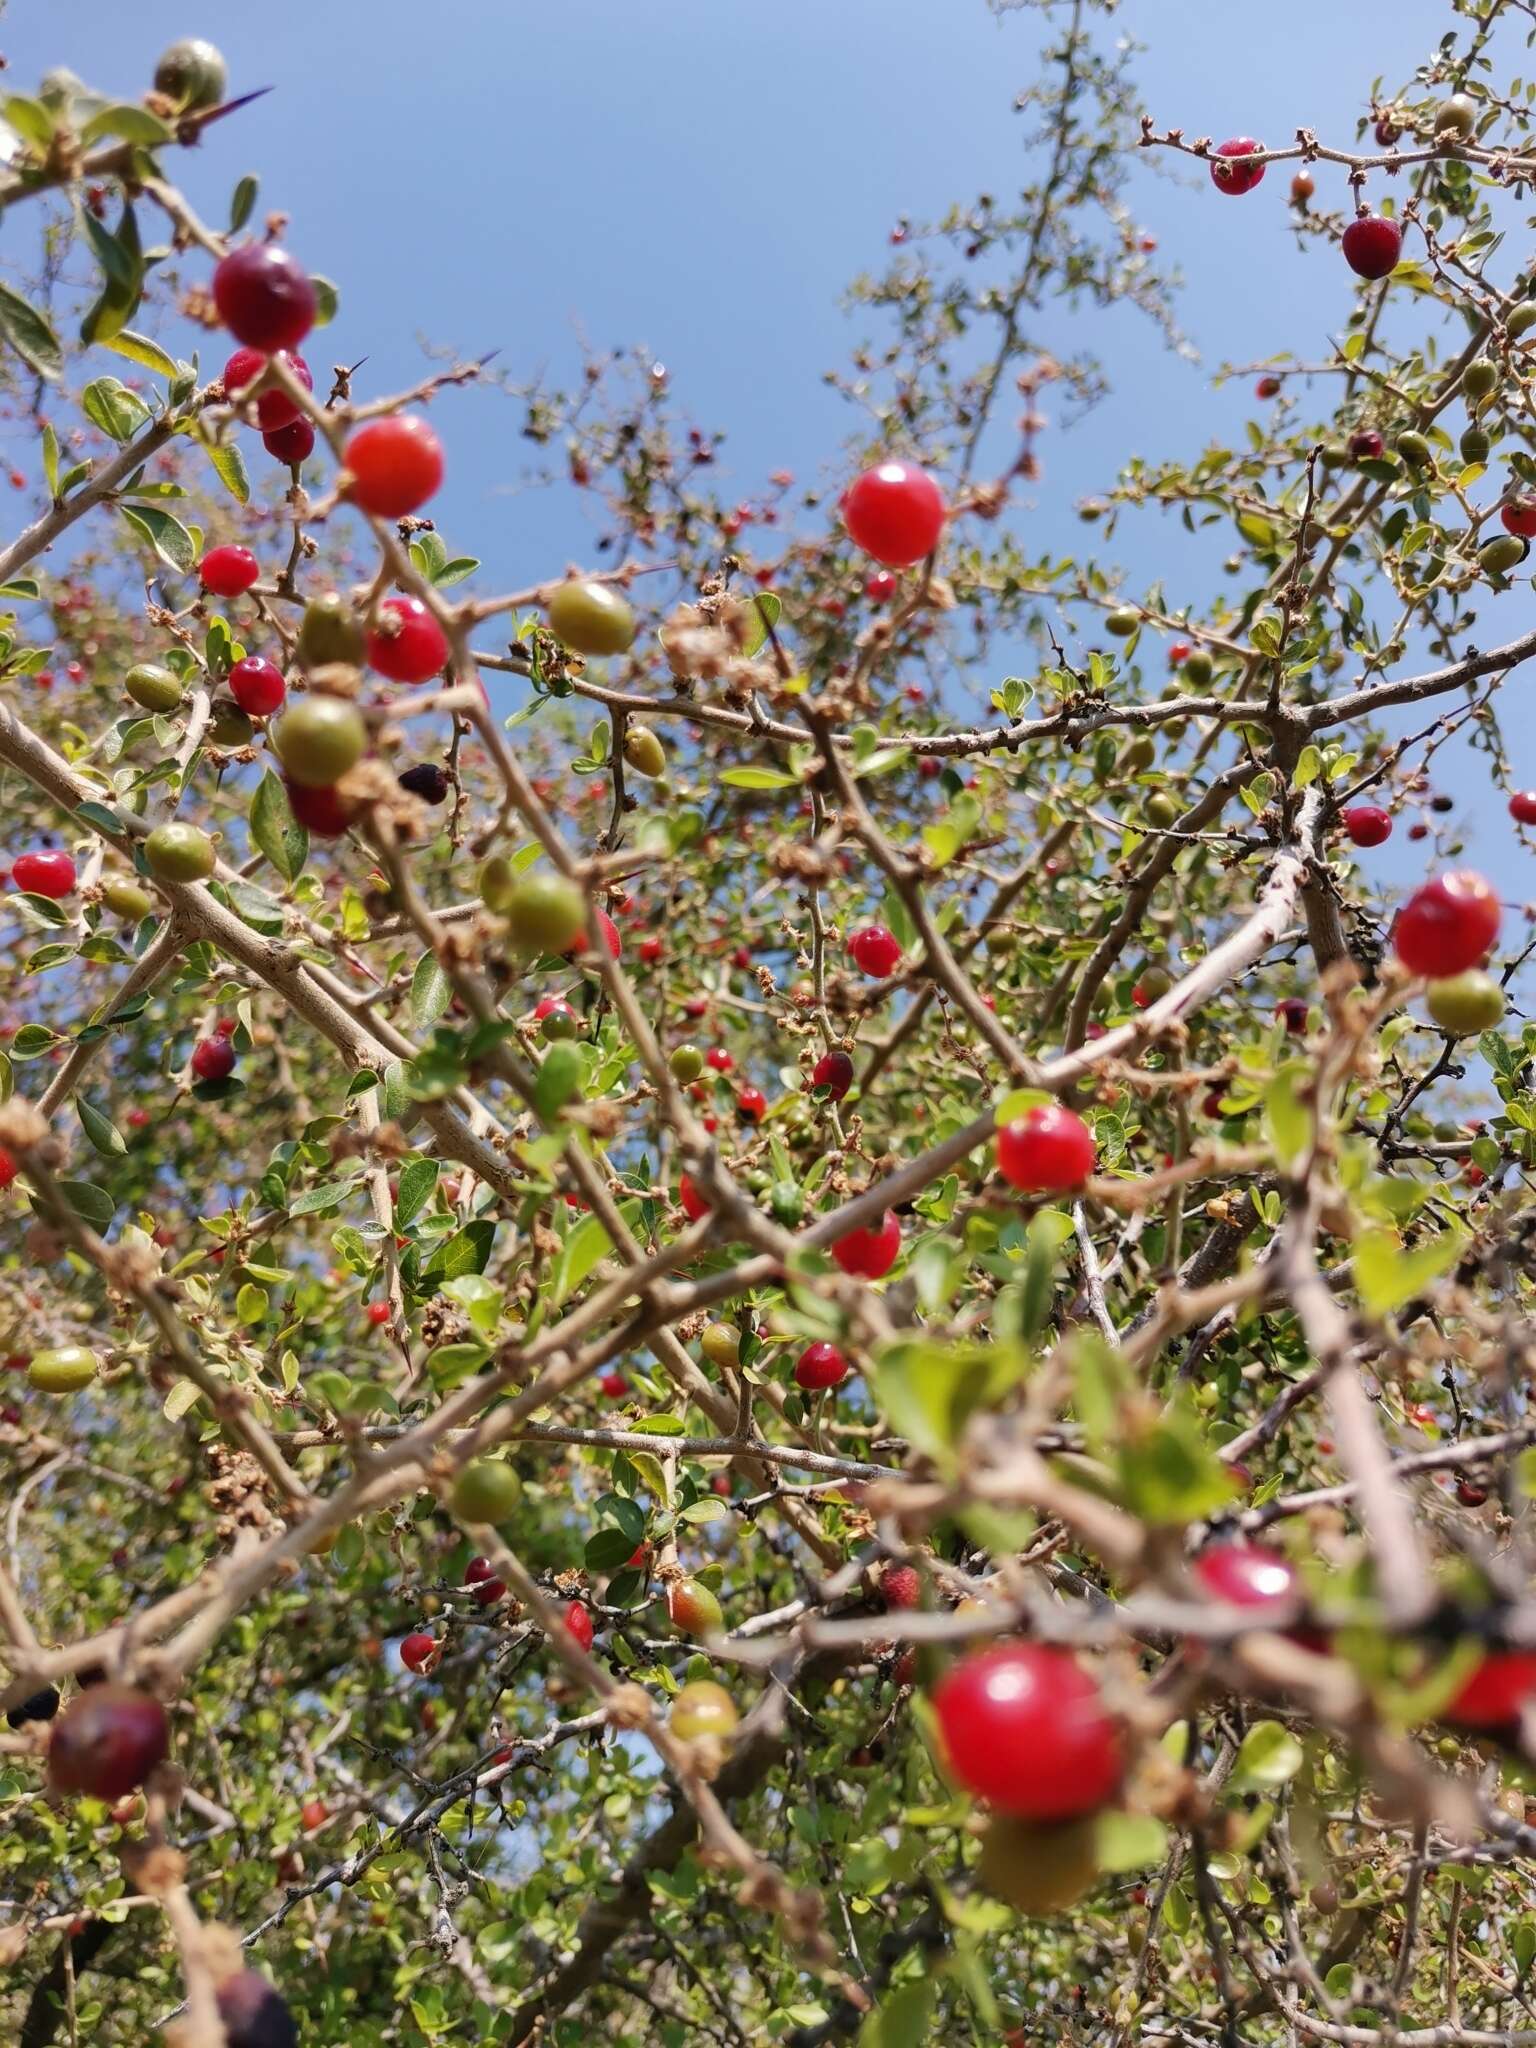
[[1199, 668], [1480, 379], [1160, 809], [721, 1345], [702, 1708], [1154, 982], [786, 1199], [1457, 116], [1475, 445], [545, 913], [562, 1075], [591, 618], [318, 739], [228, 725], [644, 752], [486, 1491], [1465, 1003], [1414, 448], [1038, 1869], [1520, 319], [498, 878], [692, 1608], [1335, 455], [1139, 754], [557, 1025], [64, 1370], [329, 632], [179, 853], [153, 687], [1503, 553], [687, 1063], [1122, 622], [193, 73], [125, 897]]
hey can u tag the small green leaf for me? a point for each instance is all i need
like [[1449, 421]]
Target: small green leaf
[[109, 404], [29, 334], [582, 1250], [132, 123], [229, 467], [242, 204], [431, 992], [759, 778], [167, 536], [1388, 1273], [1287, 1117], [98, 1129], [1270, 1756], [275, 830], [418, 1179], [89, 1202]]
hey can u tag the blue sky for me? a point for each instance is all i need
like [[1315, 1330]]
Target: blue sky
[[703, 176]]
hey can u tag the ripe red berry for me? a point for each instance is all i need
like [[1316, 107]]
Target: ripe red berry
[[609, 933], [651, 948], [1235, 179], [1372, 245], [1496, 1692], [379, 1313], [1519, 516], [1025, 1728], [578, 1624], [834, 1072], [274, 408], [228, 571], [419, 1652], [1366, 445], [875, 951], [894, 512], [880, 586], [820, 1366], [1447, 925], [264, 298], [1368, 824], [320, 809], [1293, 1011], [480, 1574], [870, 1254], [1522, 808], [396, 464], [314, 1813], [900, 1587], [1047, 1149], [752, 1104], [44, 874], [213, 1059], [694, 1205], [614, 1384], [293, 443], [107, 1741], [1247, 1575], [407, 644], [257, 686], [718, 1058], [1267, 387]]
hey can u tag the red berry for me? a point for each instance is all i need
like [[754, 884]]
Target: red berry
[[718, 1058], [213, 1059], [900, 1587], [819, 1366], [1368, 824], [419, 1652], [320, 809], [696, 1006], [274, 408], [1267, 387], [870, 1254], [1047, 1149], [264, 298], [1372, 245], [1235, 179], [44, 874], [880, 586], [1497, 1691], [694, 1205], [1366, 445], [650, 948], [407, 644], [1025, 1728], [228, 571], [1522, 808], [578, 1624], [1293, 1012], [107, 1741], [834, 1072], [610, 937], [614, 1384], [257, 686], [752, 1104], [1247, 1575], [894, 512], [8, 1172], [875, 950], [314, 1813], [1519, 516], [480, 1573], [396, 464], [379, 1313], [293, 443], [558, 1008], [1447, 925], [742, 958]]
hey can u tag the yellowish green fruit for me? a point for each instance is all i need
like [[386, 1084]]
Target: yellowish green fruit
[[1122, 622], [318, 739], [179, 853], [1038, 1870], [545, 913], [125, 897], [63, 1370], [155, 688], [687, 1063], [591, 618], [487, 1490], [1465, 1003], [721, 1345], [331, 632], [644, 752], [703, 1708]]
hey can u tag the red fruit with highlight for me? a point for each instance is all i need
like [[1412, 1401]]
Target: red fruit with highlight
[[752, 1104], [1024, 1727], [1047, 1149], [1522, 807], [695, 1208], [257, 686], [834, 1072], [44, 874], [274, 408], [213, 1059], [900, 1588], [419, 1652], [293, 443], [1447, 925], [578, 1624], [1519, 516], [1247, 1575], [870, 1254], [895, 512], [1496, 1693], [875, 951], [323, 811], [228, 571], [264, 297], [480, 1576], [407, 644], [396, 464], [1367, 824], [1372, 245], [820, 1366], [1235, 179], [107, 1741]]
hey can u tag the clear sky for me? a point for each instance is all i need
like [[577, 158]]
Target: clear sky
[[704, 176]]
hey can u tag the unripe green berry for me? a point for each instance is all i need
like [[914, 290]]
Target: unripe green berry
[[179, 853], [487, 1490], [1465, 1003], [64, 1369], [331, 632], [545, 913], [192, 73], [644, 752], [591, 618], [1480, 379], [1199, 668], [687, 1063], [721, 1345], [1122, 622], [153, 687], [318, 739], [1504, 552], [702, 1708], [125, 897]]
